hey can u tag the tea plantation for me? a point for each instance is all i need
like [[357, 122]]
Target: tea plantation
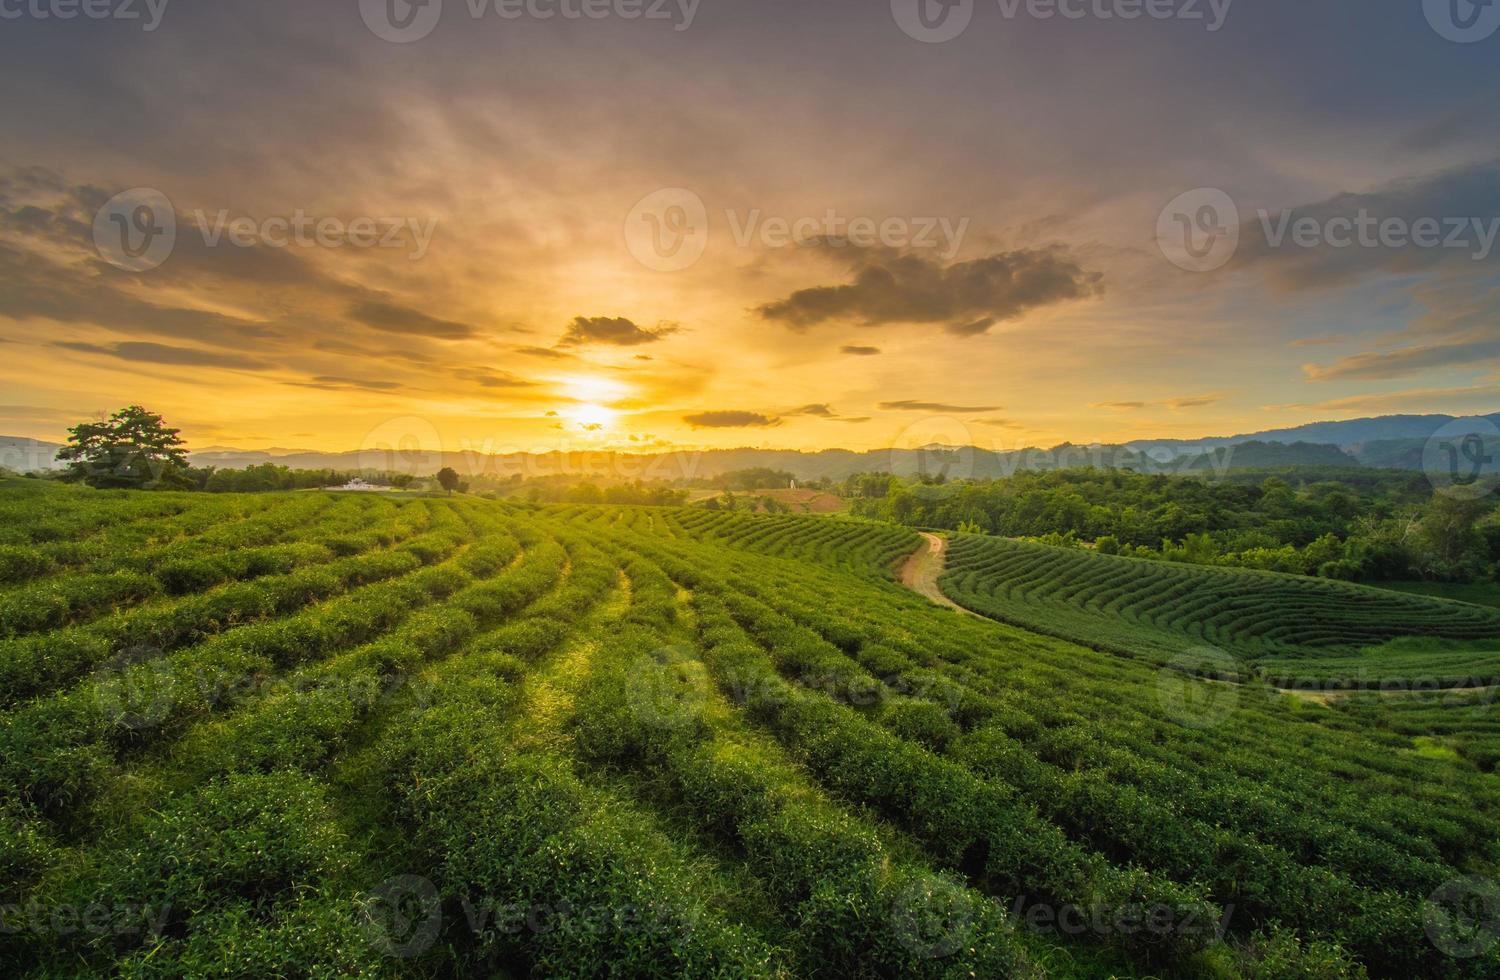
[[311, 734], [1289, 628]]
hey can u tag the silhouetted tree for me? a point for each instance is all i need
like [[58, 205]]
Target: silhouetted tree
[[133, 449]]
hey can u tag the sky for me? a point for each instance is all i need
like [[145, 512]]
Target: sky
[[511, 225]]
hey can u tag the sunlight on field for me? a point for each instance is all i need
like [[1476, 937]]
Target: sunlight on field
[[741, 722]]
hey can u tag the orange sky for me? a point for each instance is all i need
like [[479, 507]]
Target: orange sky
[[763, 231]]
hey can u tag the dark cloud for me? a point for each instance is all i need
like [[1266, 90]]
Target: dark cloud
[[966, 297], [730, 420], [1423, 399], [616, 331], [400, 319], [824, 411], [1373, 366], [492, 380], [34, 286], [485, 378], [982, 325], [1320, 341], [1192, 401], [1462, 195], [858, 351], [546, 352], [50, 270], [915, 406], [404, 355], [150, 353], [1175, 404], [37, 413], [1471, 118], [335, 383]]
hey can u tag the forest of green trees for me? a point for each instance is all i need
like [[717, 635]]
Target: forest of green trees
[[1358, 524]]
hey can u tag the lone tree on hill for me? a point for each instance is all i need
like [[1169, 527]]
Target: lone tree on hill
[[448, 479], [133, 448]]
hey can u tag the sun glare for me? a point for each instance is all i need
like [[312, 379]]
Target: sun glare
[[588, 388], [592, 417]]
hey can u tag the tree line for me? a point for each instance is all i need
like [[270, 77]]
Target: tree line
[[1368, 526]]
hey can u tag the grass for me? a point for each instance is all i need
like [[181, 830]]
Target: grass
[[465, 737], [1293, 630], [1479, 593]]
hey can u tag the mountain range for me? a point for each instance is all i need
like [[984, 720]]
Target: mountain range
[[1391, 441]]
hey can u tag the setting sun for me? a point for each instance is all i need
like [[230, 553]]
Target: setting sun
[[592, 389], [592, 417]]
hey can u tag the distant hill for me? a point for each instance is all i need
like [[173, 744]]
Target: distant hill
[[833, 464], [1346, 435], [1392, 454], [1387, 442], [1260, 455]]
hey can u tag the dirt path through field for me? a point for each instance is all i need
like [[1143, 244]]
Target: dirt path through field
[[921, 570]]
